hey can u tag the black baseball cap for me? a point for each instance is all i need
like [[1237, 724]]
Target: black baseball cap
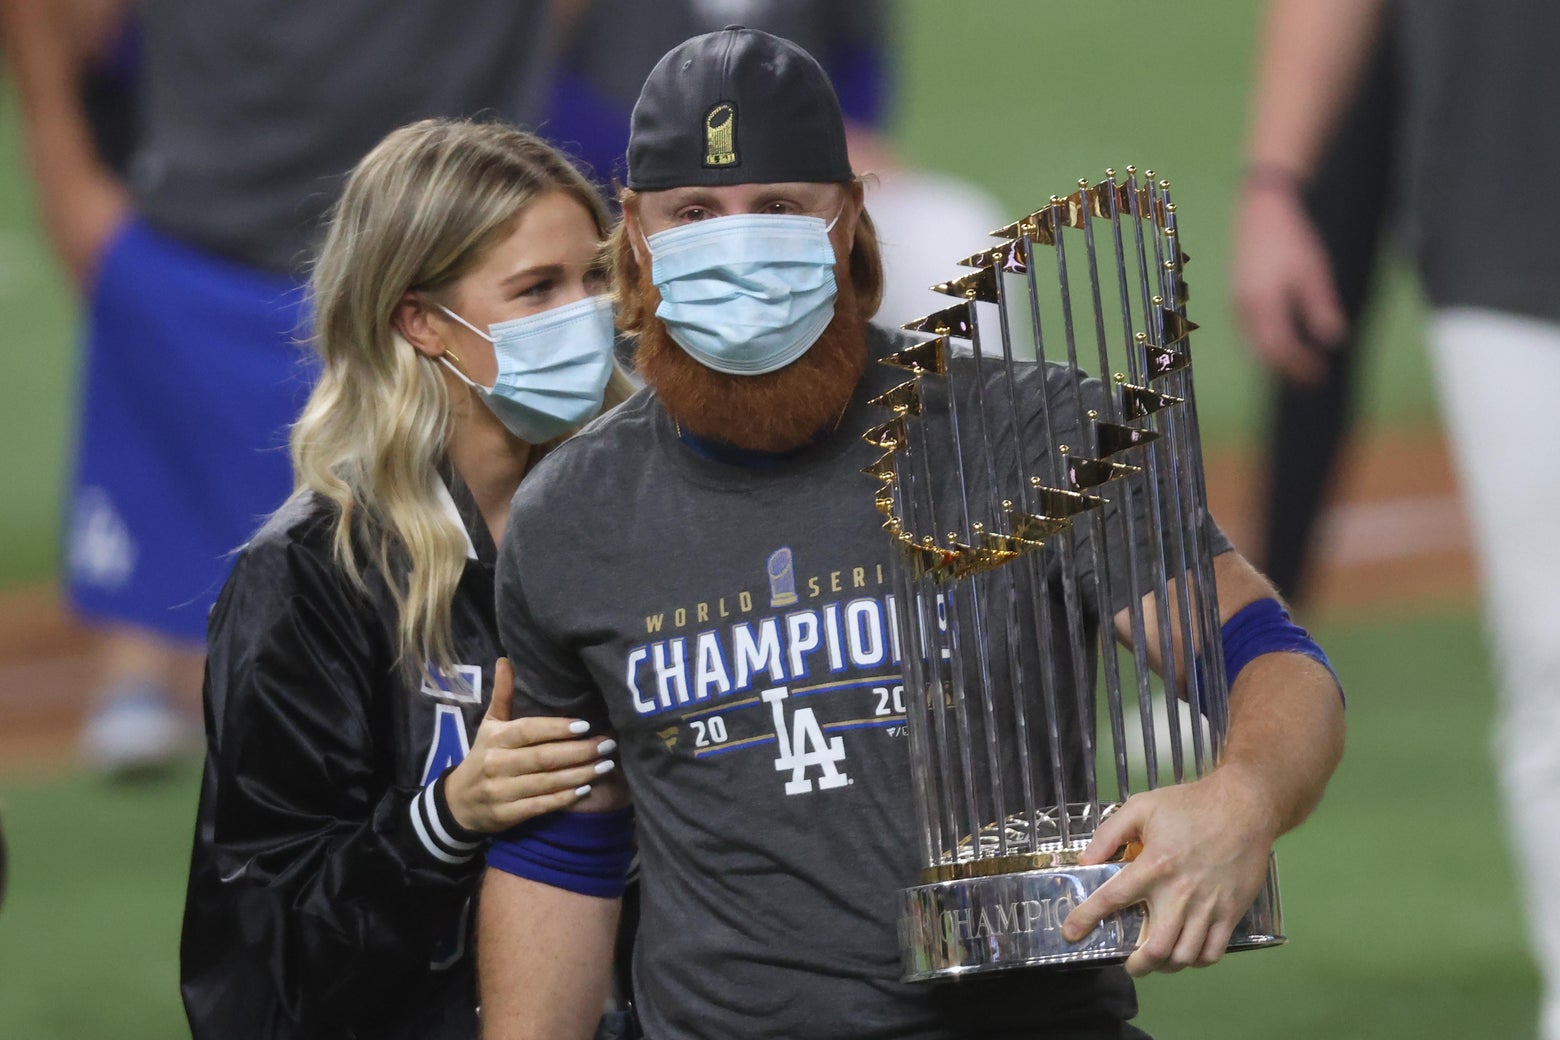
[[738, 106]]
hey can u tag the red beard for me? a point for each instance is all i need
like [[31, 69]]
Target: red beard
[[775, 412]]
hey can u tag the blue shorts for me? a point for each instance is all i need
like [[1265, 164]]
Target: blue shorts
[[193, 371]]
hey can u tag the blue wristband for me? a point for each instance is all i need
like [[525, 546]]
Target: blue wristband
[[588, 853], [1264, 627]]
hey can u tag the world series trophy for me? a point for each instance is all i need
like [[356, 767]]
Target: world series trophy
[[1030, 508]]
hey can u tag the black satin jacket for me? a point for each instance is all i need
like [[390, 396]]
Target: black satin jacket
[[327, 898]]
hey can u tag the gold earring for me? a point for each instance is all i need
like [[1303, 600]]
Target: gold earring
[[455, 358]]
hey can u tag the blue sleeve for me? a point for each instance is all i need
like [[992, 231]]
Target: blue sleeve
[[588, 853], [1264, 627]]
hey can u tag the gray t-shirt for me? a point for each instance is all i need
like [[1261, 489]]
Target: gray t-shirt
[[254, 113], [1481, 89], [736, 628]]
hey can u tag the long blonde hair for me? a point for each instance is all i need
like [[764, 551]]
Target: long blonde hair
[[417, 213]]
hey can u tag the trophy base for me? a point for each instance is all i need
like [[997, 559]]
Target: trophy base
[[975, 925]]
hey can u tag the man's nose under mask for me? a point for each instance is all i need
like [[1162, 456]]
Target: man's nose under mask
[[747, 294]]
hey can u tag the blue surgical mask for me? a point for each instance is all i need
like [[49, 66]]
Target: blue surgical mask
[[552, 367], [746, 294]]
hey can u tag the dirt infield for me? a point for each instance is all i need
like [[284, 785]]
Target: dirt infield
[[1395, 543]]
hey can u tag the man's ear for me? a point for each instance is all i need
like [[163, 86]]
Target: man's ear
[[858, 194], [636, 237], [844, 231], [413, 318]]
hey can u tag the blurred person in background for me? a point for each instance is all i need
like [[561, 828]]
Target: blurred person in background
[[1479, 93], [1314, 355], [359, 743], [924, 218], [191, 270], [75, 65]]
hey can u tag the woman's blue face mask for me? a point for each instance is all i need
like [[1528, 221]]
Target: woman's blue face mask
[[745, 294], [553, 367]]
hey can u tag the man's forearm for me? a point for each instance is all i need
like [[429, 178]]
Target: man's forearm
[[544, 959], [1286, 721], [1308, 61], [1286, 733], [1286, 716], [1212, 836]]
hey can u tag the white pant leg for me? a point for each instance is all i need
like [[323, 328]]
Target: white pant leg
[[1499, 380]]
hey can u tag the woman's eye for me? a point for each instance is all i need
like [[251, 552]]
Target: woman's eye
[[536, 289], [596, 278], [693, 213]]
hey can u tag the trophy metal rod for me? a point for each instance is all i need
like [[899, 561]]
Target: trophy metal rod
[[915, 697], [914, 638], [1192, 512], [1136, 622], [1157, 454], [987, 687], [1067, 567], [938, 697], [1152, 478], [1144, 284], [977, 622], [1041, 616], [1214, 661], [961, 716], [1020, 730], [1152, 457], [1179, 670], [987, 706], [927, 598], [1005, 576], [1101, 568]]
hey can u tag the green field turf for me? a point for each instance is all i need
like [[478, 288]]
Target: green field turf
[[1022, 96], [1397, 894]]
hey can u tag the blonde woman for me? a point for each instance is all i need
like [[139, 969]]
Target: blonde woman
[[357, 754]]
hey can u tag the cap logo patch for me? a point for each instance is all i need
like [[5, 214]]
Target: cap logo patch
[[720, 134]]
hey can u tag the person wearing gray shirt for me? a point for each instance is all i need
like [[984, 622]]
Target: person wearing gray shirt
[[703, 571]]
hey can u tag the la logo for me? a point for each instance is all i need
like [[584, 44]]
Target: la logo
[[803, 746]]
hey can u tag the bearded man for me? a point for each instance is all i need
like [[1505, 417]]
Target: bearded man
[[702, 574]]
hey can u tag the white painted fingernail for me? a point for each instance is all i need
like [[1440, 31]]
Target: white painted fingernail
[[579, 726], [606, 747], [606, 765], [582, 790]]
